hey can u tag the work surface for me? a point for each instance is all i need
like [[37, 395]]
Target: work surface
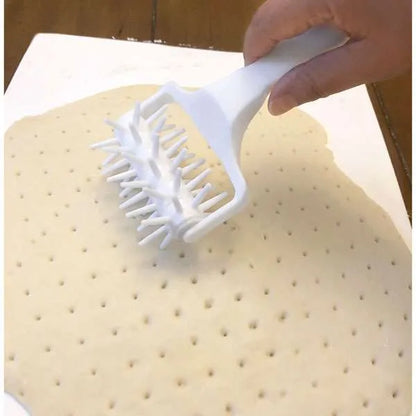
[[59, 69]]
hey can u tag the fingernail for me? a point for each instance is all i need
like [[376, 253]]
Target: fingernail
[[280, 105]]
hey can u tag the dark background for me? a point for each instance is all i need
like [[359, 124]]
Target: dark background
[[199, 23]]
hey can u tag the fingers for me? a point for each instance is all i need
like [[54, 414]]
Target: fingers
[[334, 71], [276, 20]]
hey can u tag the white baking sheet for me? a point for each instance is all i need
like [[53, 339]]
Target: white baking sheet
[[58, 69]]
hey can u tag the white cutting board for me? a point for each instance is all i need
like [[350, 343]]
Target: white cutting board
[[59, 69]]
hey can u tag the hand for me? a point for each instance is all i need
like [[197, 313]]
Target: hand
[[379, 46]]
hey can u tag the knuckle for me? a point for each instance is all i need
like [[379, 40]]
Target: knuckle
[[258, 23], [313, 89], [257, 20], [263, 18]]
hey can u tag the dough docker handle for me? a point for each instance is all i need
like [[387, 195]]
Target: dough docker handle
[[241, 94], [290, 53]]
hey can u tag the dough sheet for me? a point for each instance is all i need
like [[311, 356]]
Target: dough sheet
[[300, 304]]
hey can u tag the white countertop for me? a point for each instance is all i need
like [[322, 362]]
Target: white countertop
[[58, 69]]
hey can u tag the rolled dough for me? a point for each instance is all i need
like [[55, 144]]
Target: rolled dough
[[301, 304]]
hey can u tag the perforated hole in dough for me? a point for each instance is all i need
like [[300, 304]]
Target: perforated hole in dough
[[286, 306]]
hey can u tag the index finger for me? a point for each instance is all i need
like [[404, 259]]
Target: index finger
[[276, 20]]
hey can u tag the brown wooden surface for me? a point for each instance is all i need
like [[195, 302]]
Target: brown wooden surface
[[392, 101], [100, 18], [219, 24]]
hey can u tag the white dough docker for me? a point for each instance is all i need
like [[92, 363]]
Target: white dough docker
[[161, 181]]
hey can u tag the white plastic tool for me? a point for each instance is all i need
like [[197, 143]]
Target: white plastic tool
[[161, 181]]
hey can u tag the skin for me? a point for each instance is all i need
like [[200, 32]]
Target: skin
[[379, 46]]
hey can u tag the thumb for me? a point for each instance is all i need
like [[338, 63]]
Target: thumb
[[326, 74]]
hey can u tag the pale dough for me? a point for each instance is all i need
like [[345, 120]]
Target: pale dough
[[301, 304]]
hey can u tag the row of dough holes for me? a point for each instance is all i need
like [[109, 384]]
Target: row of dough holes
[[208, 303], [180, 382], [237, 297], [46, 172], [209, 250], [241, 363], [251, 215], [223, 332], [182, 254], [222, 271]]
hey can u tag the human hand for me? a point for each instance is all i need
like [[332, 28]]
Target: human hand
[[379, 46]]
